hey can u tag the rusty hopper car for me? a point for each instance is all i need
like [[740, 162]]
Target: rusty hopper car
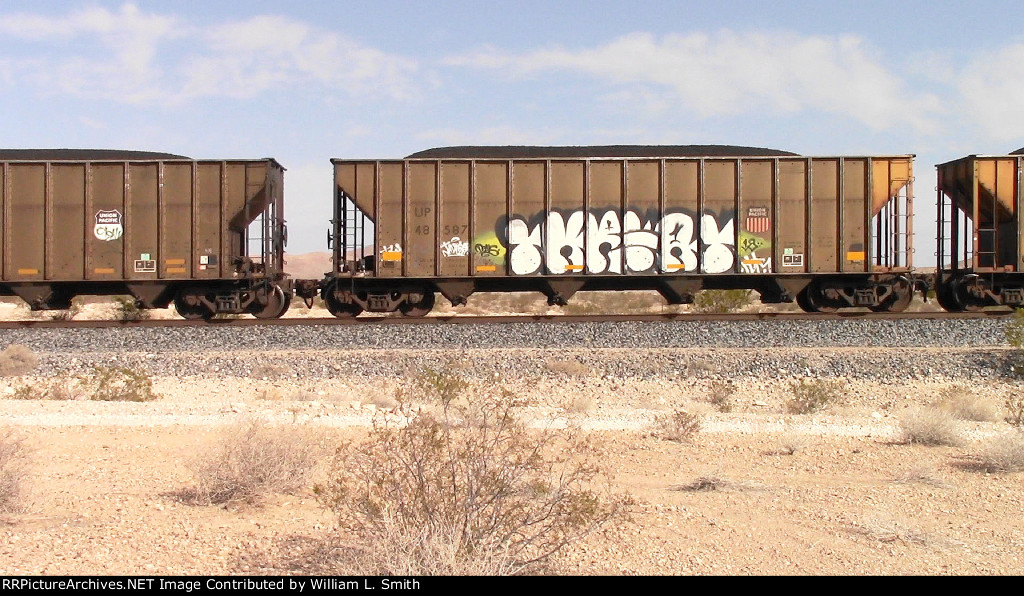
[[205, 235], [828, 232], [980, 251]]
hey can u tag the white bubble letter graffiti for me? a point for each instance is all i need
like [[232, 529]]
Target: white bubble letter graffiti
[[718, 254]]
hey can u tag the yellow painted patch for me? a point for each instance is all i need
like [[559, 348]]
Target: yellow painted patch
[[574, 267], [175, 270], [390, 256], [103, 270], [675, 266], [174, 261], [753, 261], [28, 272], [855, 256], [486, 268]]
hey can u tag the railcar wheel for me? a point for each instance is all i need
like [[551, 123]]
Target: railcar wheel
[[901, 297], [277, 304], [190, 307], [944, 296], [817, 301], [803, 303], [342, 310], [418, 309]]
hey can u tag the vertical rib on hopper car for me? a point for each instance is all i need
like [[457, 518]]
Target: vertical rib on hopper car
[[206, 235], [829, 232], [980, 249]]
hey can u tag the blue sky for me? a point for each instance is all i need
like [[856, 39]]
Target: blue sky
[[305, 82]]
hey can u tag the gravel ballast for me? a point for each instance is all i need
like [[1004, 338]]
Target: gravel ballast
[[869, 349]]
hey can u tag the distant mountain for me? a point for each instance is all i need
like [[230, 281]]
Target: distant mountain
[[310, 265]]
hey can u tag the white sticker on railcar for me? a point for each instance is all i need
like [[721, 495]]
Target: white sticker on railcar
[[793, 260], [109, 225], [145, 266]]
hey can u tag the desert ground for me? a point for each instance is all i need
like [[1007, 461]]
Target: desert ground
[[754, 489]]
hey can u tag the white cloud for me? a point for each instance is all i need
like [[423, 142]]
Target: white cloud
[[248, 57], [122, 65], [991, 87], [731, 73], [135, 57]]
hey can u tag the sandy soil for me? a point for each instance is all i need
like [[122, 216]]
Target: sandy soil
[[106, 479]]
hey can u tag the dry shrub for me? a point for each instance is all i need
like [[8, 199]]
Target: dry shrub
[[435, 495], [716, 484], [720, 301], [811, 395], [13, 459], [791, 442], [930, 426], [962, 404], [885, 529], [119, 383], [53, 389], [16, 360], [251, 460], [680, 426], [402, 549], [720, 395], [102, 383], [1005, 453], [439, 385], [1015, 410], [70, 313]]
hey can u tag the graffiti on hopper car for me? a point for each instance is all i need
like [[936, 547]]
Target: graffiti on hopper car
[[598, 241]]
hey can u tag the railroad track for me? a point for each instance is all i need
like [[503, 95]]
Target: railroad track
[[497, 319]]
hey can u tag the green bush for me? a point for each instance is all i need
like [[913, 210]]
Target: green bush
[[720, 301], [128, 309], [119, 383], [101, 383]]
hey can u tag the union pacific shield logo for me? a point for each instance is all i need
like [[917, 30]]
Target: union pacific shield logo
[[109, 225], [758, 221]]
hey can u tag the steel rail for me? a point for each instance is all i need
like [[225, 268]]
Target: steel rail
[[501, 319]]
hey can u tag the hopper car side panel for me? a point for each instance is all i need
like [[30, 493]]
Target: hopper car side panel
[[559, 225], [158, 230]]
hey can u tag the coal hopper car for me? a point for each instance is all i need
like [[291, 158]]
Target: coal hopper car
[[205, 235], [827, 232], [980, 247]]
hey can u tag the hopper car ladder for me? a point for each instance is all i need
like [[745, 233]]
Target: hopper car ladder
[[350, 230]]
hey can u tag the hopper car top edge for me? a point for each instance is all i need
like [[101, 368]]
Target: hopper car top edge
[[337, 160], [1014, 155]]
